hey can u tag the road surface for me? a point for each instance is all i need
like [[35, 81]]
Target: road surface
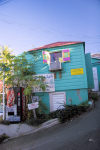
[[82, 133]]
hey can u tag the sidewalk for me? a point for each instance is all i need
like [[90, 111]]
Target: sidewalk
[[14, 130]]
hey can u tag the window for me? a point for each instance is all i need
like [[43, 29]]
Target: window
[[54, 63]]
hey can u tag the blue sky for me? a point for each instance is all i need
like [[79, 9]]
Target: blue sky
[[27, 24]]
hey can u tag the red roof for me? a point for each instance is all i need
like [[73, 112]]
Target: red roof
[[56, 44]]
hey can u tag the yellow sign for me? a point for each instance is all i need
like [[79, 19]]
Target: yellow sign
[[77, 71]]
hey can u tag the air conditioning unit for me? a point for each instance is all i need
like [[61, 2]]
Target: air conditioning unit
[[55, 66]]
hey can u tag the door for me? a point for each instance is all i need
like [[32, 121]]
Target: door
[[95, 76], [57, 100]]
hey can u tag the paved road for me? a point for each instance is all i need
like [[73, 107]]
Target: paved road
[[82, 133]]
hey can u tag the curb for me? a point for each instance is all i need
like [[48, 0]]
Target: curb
[[53, 123]]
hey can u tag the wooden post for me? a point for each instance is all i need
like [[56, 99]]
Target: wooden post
[[34, 113]]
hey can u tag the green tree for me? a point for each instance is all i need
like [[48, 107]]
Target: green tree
[[6, 68], [19, 72], [6, 63], [23, 75]]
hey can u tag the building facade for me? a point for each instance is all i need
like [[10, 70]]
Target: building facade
[[63, 64], [96, 71]]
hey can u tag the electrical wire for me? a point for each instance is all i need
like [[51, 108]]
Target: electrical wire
[[3, 2]]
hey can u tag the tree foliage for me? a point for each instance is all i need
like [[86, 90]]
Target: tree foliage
[[19, 71], [6, 63]]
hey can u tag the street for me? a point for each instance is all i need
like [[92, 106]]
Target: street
[[82, 133]]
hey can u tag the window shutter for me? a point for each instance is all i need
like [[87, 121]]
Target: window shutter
[[65, 55], [46, 57]]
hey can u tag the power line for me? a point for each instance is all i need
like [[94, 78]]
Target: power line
[[3, 2], [50, 30]]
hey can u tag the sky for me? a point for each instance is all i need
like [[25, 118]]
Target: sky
[[27, 24]]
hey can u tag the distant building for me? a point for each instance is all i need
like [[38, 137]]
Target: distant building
[[96, 71]]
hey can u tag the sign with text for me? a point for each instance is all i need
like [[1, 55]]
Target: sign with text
[[77, 71], [35, 99], [33, 105], [48, 81]]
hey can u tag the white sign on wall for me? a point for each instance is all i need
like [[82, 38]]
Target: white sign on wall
[[95, 76], [33, 105], [49, 81]]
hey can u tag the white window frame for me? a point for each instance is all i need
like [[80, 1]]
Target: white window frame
[[51, 62]]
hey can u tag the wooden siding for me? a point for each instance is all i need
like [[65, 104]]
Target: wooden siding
[[76, 97], [67, 81], [44, 97], [73, 97]]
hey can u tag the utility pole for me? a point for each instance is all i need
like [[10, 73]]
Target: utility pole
[[3, 95]]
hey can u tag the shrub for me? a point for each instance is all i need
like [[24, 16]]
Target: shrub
[[84, 103], [70, 112], [42, 108], [35, 122], [3, 137], [40, 119], [5, 122], [43, 117], [40, 116], [62, 115], [93, 95], [53, 114]]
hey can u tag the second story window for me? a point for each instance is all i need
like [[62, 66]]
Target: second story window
[[55, 64]]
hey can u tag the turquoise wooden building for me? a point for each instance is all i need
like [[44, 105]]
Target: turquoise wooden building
[[96, 71], [63, 64]]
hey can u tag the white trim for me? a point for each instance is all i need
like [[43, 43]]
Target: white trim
[[55, 51]]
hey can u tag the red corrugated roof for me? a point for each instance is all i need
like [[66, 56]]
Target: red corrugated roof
[[56, 44]]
